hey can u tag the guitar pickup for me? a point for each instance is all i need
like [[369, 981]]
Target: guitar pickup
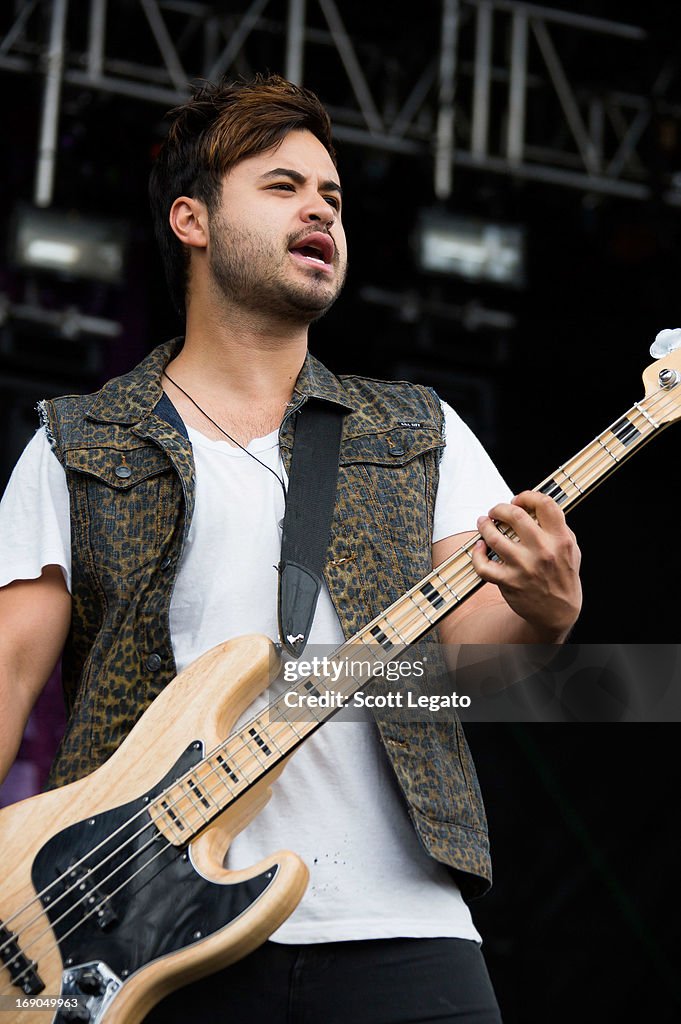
[[22, 971], [94, 902]]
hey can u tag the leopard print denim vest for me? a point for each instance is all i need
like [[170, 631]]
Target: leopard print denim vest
[[130, 476]]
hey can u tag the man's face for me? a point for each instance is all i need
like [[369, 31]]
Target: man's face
[[277, 243]]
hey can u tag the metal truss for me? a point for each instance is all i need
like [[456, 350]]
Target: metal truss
[[490, 84]]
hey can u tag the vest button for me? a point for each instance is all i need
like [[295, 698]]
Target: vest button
[[165, 564], [154, 662], [123, 471], [397, 450]]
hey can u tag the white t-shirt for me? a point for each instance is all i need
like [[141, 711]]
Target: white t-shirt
[[337, 803]]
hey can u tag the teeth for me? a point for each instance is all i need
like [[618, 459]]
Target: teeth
[[313, 259]]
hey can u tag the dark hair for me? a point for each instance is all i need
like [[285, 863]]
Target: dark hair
[[220, 125]]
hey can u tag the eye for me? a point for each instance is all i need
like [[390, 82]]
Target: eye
[[285, 185], [333, 201]]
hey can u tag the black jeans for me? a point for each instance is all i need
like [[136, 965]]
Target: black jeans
[[378, 981]]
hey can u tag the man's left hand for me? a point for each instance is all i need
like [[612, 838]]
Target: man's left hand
[[538, 575]]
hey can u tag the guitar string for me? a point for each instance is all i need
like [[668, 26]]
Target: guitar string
[[54, 945], [203, 780], [139, 852], [141, 811], [623, 439], [135, 853], [96, 908], [180, 798]]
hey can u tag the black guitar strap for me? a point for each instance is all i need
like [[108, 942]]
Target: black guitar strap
[[307, 521]]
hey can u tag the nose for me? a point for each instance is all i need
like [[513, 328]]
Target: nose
[[318, 211]]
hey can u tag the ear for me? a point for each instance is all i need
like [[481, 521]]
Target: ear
[[189, 220]]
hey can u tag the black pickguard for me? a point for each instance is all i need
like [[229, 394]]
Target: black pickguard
[[159, 911]]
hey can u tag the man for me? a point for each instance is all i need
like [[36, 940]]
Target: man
[[142, 526]]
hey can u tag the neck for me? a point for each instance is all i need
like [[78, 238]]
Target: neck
[[233, 352]]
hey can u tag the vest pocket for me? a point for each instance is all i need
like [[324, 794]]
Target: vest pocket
[[391, 448], [124, 498]]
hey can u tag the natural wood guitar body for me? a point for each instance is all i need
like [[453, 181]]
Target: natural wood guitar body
[[201, 704]]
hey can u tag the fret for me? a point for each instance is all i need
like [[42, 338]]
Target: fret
[[293, 728], [606, 449], [366, 667], [204, 773], [614, 445], [414, 601], [184, 808], [169, 812], [391, 625], [471, 582], [283, 715], [592, 461], [427, 610], [260, 741], [271, 737], [578, 469], [226, 768], [595, 466], [651, 421], [360, 640], [381, 638], [254, 749], [311, 688], [254, 755], [226, 793], [432, 594], [571, 479], [279, 712], [579, 473], [239, 763], [311, 709], [554, 490], [445, 583], [180, 803], [346, 679], [625, 431], [200, 795], [265, 731], [296, 734]]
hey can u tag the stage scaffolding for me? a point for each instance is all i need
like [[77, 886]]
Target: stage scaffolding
[[488, 84]]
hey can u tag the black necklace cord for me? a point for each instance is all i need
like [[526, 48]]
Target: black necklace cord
[[228, 436]]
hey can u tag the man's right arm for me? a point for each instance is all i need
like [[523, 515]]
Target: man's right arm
[[34, 623]]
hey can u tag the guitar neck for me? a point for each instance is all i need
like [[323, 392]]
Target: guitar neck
[[247, 755]]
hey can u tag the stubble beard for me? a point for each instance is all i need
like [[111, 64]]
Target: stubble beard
[[250, 274]]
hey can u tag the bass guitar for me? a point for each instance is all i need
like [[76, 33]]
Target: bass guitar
[[113, 891]]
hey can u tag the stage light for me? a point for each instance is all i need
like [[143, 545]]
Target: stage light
[[83, 247], [471, 248]]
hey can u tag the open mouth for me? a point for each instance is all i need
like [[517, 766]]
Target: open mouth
[[315, 250]]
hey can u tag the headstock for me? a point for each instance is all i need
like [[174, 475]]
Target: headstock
[[662, 379]]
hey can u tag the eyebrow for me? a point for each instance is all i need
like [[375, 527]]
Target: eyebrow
[[300, 179]]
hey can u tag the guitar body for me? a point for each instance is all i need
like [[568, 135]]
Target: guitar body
[[152, 916]]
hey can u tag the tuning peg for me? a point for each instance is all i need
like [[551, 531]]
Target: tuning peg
[[665, 342]]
